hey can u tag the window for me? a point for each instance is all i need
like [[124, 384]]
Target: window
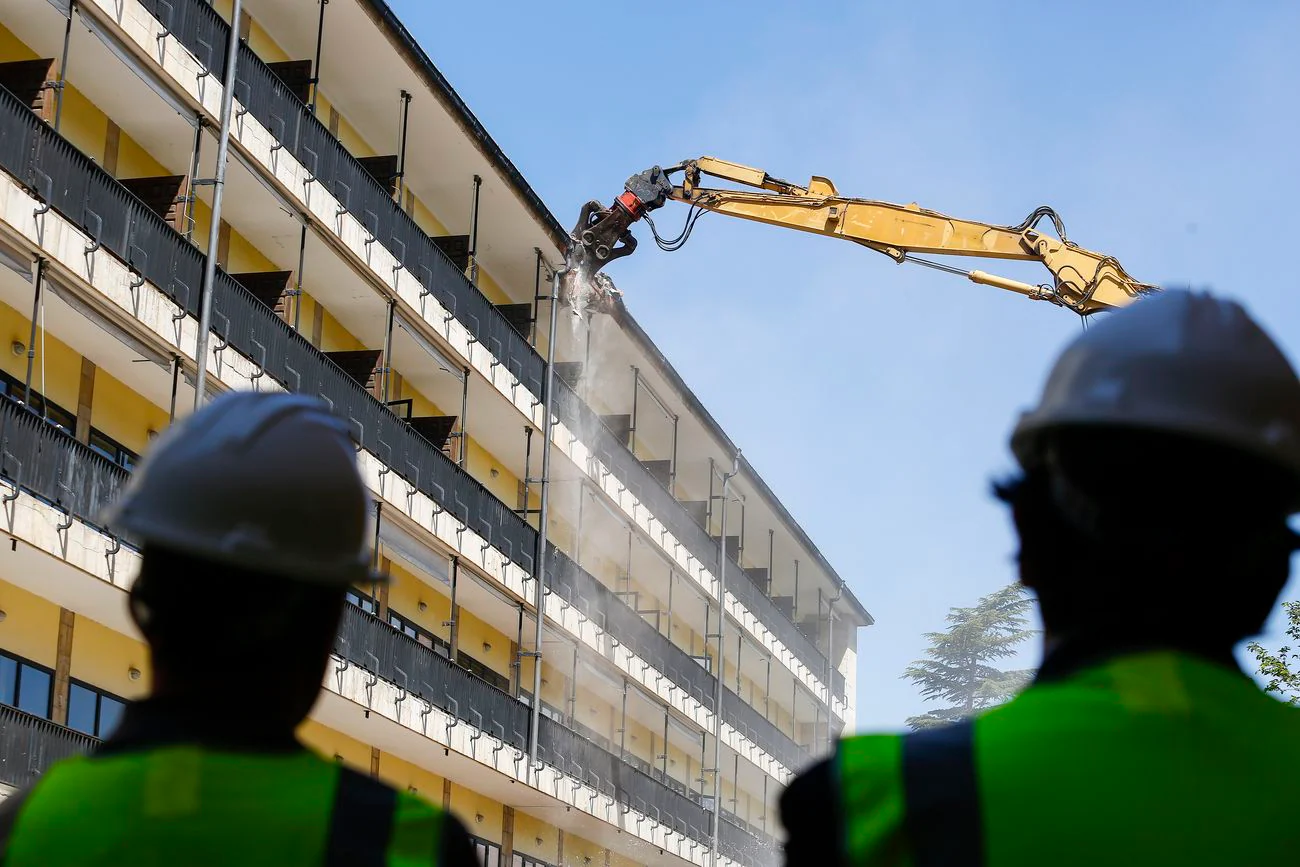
[[521, 860], [92, 711], [489, 854], [25, 685], [16, 390], [420, 634], [481, 671], [365, 603], [112, 449]]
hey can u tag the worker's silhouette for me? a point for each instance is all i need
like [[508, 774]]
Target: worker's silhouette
[[253, 521], [1157, 476]]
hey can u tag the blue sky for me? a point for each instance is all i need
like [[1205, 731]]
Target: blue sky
[[876, 399]]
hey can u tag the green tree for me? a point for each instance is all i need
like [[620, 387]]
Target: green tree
[[959, 670], [1282, 667]]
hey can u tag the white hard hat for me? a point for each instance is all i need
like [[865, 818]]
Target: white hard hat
[[266, 482], [1179, 363]]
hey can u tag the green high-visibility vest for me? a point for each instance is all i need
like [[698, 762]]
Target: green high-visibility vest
[[183, 805], [1154, 759]]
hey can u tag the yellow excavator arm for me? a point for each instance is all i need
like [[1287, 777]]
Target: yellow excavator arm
[[1082, 280]]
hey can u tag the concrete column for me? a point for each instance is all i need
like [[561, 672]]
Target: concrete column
[[63, 667], [317, 324], [507, 835], [112, 144], [446, 793], [223, 245], [85, 396], [374, 761]]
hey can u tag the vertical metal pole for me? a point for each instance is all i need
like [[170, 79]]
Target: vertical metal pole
[[191, 194], [519, 657], [297, 288], [388, 351], [537, 296], [218, 191], [401, 153], [672, 468], [374, 557], [665, 761], [573, 688], [315, 67], [830, 665], [464, 410], [62, 82], [771, 566], [740, 647], [528, 470], [722, 623], [622, 731], [473, 233], [453, 627], [636, 390], [539, 568], [794, 603], [31, 340], [176, 381]]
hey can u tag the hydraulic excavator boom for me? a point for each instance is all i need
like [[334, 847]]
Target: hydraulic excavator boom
[[1082, 280]]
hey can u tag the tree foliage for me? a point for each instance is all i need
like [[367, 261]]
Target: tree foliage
[[1281, 667], [959, 669]]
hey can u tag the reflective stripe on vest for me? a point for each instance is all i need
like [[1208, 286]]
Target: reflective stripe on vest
[[911, 800], [185, 805]]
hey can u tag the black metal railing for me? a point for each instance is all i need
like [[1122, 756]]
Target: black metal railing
[[430, 680], [201, 29], [29, 745], [44, 460], [73, 185], [614, 453], [48, 463]]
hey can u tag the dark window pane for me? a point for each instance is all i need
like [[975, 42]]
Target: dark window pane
[[34, 691], [81, 709], [110, 713], [8, 677]]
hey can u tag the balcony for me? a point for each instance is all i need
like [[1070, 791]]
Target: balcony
[[30, 744], [202, 30], [48, 463], [87, 196], [275, 105]]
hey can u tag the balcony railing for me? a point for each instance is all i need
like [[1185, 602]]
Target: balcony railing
[[614, 453], [83, 193], [30, 744], [50, 464], [73, 185], [202, 30], [371, 644]]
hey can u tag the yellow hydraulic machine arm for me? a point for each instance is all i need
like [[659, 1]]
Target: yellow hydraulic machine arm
[[1082, 280]]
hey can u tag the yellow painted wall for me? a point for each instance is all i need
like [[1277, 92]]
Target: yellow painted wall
[[469, 806], [104, 658], [123, 414], [62, 368], [619, 860], [406, 776], [529, 830], [406, 591], [330, 743], [474, 634], [580, 851], [31, 624]]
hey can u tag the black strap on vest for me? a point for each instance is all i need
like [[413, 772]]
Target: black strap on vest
[[942, 818], [361, 823]]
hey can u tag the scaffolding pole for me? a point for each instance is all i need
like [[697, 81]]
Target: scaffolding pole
[[473, 232], [539, 560], [718, 685], [218, 190]]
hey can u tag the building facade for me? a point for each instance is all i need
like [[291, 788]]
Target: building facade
[[377, 249]]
